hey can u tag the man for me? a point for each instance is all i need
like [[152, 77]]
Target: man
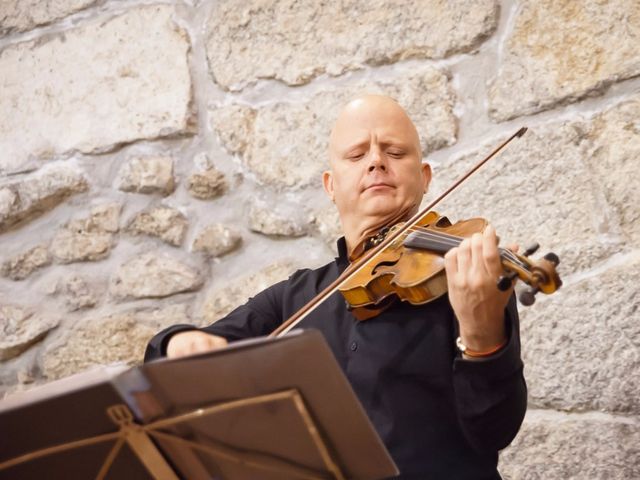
[[442, 413]]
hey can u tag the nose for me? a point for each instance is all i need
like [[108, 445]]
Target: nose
[[377, 160]]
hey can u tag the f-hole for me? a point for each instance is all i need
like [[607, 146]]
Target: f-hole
[[386, 263]]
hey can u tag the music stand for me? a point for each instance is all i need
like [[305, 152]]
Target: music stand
[[268, 409]]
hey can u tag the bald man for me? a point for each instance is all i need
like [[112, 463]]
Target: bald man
[[442, 382]]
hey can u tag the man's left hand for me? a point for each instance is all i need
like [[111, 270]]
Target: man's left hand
[[473, 269]]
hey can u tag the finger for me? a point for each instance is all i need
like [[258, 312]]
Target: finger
[[464, 256], [451, 262], [514, 247], [491, 255], [201, 344], [218, 342], [477, 247]]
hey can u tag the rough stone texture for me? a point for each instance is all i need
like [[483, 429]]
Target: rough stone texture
[[24, 264], [20, 372], [571, 447], [103, 218], [20, 328], [220, 302], [327, 223], [117, 338], [591, 358], [70, 246], [78, 293], [265, 141], [539, 189], [269, 218], [147, 175], [614, 160], [217, 240], [234, 125], [207, 185], [87, 239], [22, 15], [313, 38], [166, 223], [34, 194], [153, 275], [561, 51], [95, 87]]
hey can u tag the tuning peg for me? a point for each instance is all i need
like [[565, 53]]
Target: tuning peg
[[531, 249], [505, 281], [528, 297], [553, 258]]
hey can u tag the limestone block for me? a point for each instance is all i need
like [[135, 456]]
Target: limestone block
[[315, 38], [282, 219], [166, 223], [217, 240], [147, 175], [20, 328], [104, 218], [95, 87], [285, 144], [219, 302], [207, 185], [154, 275], [327, 222], [234, 125], [24, 264], [31, 196], [87, 239], [78, 292], [580, 346], [70, 246], [561, 51], [597, 447], [539, 189], [22, 15], [121, 337], [614, 159]]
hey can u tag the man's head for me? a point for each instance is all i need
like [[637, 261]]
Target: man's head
[[376, 165]]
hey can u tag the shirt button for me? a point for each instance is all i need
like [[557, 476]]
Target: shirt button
[[353, 346]]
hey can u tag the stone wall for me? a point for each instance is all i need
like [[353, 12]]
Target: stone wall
[[159, 163]]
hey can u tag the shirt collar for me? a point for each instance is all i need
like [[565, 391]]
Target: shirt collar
[[342, 260]]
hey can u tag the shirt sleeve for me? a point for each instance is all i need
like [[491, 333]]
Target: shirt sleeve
[[259, 316], [491, 394]]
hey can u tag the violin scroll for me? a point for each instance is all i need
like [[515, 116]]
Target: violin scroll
[[539, 275]]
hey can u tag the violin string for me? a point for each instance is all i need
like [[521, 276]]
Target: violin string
[[448, 240], [451, 241]]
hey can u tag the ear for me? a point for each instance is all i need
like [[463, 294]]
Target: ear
[[426, 176], [327, 183]]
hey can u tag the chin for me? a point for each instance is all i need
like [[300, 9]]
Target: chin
[[382, 207]]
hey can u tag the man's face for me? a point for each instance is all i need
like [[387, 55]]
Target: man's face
[[375, 156]]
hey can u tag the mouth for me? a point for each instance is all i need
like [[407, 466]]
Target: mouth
[[378, 186]]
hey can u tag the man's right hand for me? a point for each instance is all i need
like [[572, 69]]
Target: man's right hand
[[193, 341]]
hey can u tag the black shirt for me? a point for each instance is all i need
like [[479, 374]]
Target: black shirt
[[440, 416]]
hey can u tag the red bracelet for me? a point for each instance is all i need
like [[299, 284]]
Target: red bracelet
[[473, 354]]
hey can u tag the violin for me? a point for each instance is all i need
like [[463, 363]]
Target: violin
[[405, 261], [411, 267]]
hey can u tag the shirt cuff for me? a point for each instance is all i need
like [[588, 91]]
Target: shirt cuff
[[494, 368]]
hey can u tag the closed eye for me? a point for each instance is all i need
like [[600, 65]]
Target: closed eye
[[395, 153]]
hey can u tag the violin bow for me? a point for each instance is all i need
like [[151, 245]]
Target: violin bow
[[333, 287]]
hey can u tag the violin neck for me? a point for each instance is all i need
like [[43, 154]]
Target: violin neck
[[440, 242]]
